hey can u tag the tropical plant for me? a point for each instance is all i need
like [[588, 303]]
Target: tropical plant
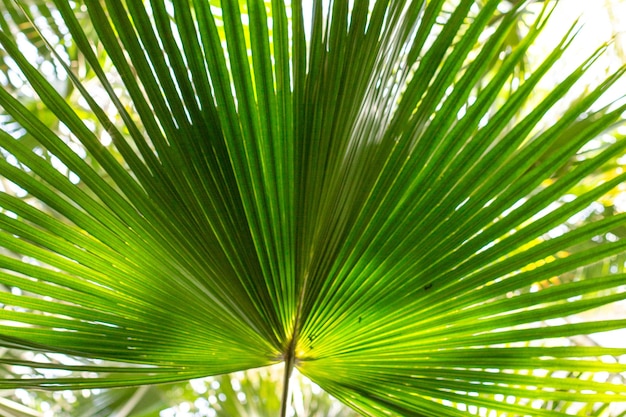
[[366, 198]]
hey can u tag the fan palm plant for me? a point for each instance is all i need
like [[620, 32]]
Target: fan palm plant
[[356, 189]]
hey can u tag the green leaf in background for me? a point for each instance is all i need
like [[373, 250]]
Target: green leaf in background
[[357, 189]]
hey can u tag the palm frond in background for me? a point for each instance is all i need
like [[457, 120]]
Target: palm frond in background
[[367, 198]]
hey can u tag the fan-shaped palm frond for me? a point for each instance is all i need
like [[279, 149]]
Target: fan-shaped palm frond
[[365, 198]]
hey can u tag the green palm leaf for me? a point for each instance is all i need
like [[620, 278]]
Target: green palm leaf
[[363, 198]]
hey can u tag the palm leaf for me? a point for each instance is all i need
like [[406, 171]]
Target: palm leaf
[[366, 200]]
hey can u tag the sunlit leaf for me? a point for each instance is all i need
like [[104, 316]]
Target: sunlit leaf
[[360, 191]]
